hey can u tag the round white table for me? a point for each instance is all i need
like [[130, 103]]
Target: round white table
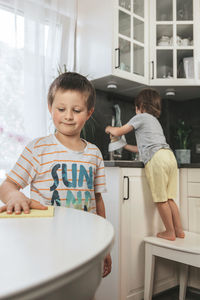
[[53, 258]]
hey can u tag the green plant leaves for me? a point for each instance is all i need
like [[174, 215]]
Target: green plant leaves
[[183, 132]]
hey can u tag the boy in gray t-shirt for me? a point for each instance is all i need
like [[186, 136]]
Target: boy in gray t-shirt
[[160, 163]]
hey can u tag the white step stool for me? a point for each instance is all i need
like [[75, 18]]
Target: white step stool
[[185, 251]]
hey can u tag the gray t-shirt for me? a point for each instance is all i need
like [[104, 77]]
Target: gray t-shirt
[[149, 135]]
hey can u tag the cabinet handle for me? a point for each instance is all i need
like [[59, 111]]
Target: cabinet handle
[[117, 52], [126, 177], [152, 64]]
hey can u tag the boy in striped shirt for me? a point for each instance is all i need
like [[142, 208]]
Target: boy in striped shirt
[[62, 169]]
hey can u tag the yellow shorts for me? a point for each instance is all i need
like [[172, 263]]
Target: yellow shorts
[[161, 173]]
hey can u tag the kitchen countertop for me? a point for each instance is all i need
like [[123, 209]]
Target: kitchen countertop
[[40, 256], [191, 165], [124, 163], [139, 164]]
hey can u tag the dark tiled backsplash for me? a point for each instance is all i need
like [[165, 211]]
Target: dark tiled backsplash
[[172, 111]]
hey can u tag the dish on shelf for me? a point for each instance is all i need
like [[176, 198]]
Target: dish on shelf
[[185, 42], [163, 43]]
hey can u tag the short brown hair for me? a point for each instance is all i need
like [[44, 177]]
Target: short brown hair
[[73, 81], [149, 100]]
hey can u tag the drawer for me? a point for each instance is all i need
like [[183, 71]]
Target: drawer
[[194, 175], [193, 214], [194, 189]]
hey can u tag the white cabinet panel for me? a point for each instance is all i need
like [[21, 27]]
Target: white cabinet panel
[[140, 218], [190, 211], [174, 42], [194, 213], [110, 286], [193, 189], [193, 175], [137, 43], [194, 226], [133, 219], [112, 41]]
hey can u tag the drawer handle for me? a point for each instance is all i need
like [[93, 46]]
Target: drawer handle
[[127, 178]]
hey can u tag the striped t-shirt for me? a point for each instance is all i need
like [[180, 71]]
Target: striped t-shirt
[[60, 176]]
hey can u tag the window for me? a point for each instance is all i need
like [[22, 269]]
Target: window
[[12, 133], [35, 38]]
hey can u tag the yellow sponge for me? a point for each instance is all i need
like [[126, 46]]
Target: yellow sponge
[[33, 213]]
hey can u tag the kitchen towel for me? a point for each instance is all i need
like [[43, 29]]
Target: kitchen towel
[[118, 123], [33, 213]]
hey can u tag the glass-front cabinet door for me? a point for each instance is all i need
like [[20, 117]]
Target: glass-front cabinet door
[[131, 53], [172, 43]]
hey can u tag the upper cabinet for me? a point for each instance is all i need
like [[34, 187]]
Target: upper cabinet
[[174, 42], [112, 41], [130, 40], [134, 43]]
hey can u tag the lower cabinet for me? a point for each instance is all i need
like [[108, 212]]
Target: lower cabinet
[[190, 211], [139, 218], [130, 208]]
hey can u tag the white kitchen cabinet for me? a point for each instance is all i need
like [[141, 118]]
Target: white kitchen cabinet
[[109, 288], [174, 42], [190, 210], [140, 218], [133, 219], [112, 41], [130, 44]]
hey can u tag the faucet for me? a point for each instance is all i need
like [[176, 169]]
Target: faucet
[[112, 154]]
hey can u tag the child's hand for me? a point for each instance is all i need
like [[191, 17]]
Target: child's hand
[[113, 138], [107, 130], [37, 205], [107, 265], [20, 204]]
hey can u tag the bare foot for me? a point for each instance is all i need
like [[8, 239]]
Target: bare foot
[[166, 235], [180, 233]]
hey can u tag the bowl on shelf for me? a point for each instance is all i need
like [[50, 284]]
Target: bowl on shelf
[[185, 42], [164, 41]]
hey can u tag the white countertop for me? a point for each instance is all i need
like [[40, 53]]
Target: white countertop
[[35, 251]]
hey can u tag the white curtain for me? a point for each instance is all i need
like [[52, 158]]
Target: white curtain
[[40, 37], [46, 47]]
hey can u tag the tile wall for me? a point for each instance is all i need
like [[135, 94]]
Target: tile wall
[[172, 111]]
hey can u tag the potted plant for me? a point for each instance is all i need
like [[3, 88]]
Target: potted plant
[[183, 154]]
